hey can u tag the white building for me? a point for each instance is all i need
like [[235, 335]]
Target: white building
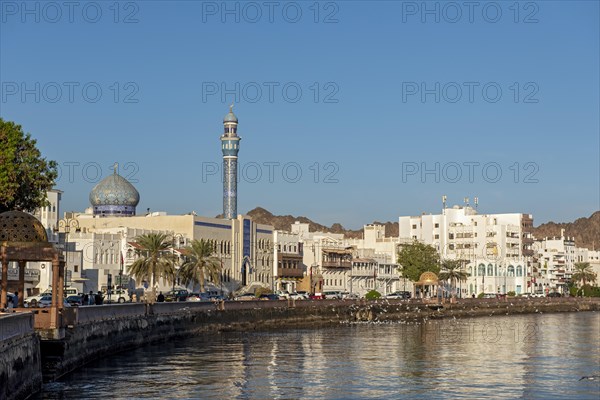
[[589, 256], [496, 249], [555, 258], [326, 257], [376, 267]]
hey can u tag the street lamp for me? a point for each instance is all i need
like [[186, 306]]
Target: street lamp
[[66, 224]]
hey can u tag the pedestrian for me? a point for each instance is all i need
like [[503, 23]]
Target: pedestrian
[[92, 298], [86, 300], [16, 299], [98, 298], [161, 298], [473, 295]]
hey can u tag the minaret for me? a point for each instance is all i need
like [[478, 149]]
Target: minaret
[[230, 145]]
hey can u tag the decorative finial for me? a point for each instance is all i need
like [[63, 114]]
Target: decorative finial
[[231, 107], [115, 168]]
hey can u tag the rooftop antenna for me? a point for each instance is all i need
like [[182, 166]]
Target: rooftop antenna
[[444, 198], [476, 201], [467, 201]]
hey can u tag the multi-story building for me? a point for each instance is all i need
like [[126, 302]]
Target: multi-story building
[[288, 268], [376, 266], [496, 249], [327, 259], [590, 256], [554, 261]]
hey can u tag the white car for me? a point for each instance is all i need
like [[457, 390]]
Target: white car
[[42, 301], [283, 294], [298, 296]]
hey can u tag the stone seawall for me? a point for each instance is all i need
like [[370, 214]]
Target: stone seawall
[[20, 359], [122, 327]]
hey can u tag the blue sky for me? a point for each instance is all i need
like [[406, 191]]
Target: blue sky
[[497, 102]]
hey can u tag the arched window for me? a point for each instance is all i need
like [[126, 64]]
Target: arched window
[[481, 270], [490, 270], [511, 270], [519, 270]]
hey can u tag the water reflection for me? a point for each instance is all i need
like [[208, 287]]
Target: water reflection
[[532, 356]]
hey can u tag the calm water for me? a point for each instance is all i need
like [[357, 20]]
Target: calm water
[[530, 356]]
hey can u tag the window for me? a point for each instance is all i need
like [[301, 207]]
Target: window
[[76, 268], [436, 236], [519, 270], [481, 270], [414, 226], [436, 225]]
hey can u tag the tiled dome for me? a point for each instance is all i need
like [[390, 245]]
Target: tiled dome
[[18, 226], [115, 196]]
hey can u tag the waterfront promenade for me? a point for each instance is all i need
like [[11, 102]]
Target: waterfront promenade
[[94, 332]]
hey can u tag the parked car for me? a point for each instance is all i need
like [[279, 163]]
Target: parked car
[[332, 295], [42, 301], [32, 301], [316, 296], [75, 300], [283, 294], [350, 296], [298, 296], [245, 297], [177, 295], [268, 296], [554, 294], [399, 295], [198, 297], [117, 296], [490, 295]]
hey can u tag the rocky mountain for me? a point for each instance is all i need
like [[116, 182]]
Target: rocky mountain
[[284, 222], [586, 231]]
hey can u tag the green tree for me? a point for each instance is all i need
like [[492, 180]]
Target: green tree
[[155, 259], [583, 273], [24, 175], [200, 263], [452, 272], [416, 258]]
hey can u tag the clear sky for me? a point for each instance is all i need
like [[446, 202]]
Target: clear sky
[[495, 100]]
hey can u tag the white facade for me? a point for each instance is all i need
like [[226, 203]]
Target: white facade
[[383, 276], [589, 256], [555, 259], [318, 248], [493, 247]]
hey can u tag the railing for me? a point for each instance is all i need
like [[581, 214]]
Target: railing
[[16, 324], [337, 264]]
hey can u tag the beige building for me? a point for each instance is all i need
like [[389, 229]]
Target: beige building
[[244, 247]]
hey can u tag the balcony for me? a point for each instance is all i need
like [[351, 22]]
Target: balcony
[[337, 264], [290, 272]]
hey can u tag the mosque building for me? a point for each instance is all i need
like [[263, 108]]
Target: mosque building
[[103, 243]]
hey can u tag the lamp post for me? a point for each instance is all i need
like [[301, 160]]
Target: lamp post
[[66, 224]]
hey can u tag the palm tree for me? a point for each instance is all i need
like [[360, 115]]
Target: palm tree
[[583, 273], [452, 271], [155, 260], [200, 263]]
